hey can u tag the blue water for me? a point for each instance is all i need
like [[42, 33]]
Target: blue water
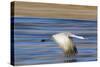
[[29, 31]]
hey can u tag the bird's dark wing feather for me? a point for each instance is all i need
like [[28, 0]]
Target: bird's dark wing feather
[[75, 49]]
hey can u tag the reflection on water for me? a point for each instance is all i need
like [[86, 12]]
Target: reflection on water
[[29, 32]]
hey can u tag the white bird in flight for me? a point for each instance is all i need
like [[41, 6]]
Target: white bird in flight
[[65, 42]]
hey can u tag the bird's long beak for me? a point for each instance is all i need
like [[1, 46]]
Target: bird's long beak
[[75, 36]]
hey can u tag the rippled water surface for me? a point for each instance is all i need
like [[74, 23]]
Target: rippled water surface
[[28, 33]]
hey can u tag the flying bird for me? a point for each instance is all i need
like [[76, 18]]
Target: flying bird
[[65, 42]]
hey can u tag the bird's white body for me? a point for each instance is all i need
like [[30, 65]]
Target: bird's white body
[[64, 40]]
